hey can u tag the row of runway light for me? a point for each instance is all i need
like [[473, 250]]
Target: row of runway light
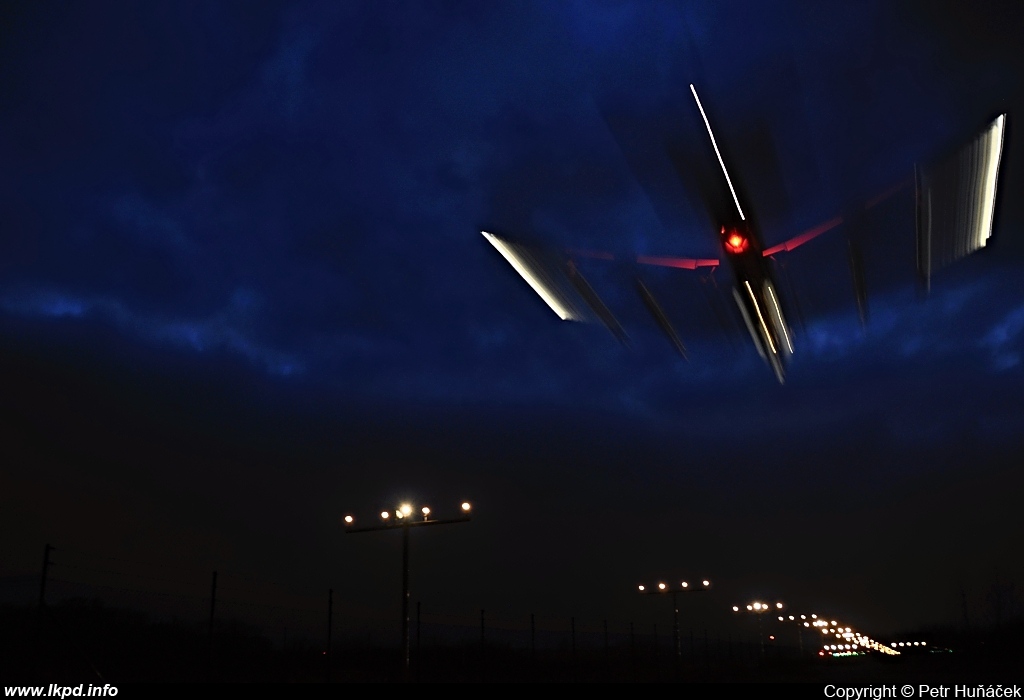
[[848, 642]]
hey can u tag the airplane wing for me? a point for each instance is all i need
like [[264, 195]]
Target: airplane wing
[[956, 201], [557, 281], [955, 214]]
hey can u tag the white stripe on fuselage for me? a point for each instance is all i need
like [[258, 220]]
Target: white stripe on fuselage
[[717, 152]]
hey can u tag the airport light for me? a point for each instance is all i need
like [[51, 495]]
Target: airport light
[[663, 588], [403, 520], [758, 608]]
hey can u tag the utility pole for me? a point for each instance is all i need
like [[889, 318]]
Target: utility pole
[[213, 603], [42, 579], [330, 614]]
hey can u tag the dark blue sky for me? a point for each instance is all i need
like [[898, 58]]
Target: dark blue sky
[[243, 290]]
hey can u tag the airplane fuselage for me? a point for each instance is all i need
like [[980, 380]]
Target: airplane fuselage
[[757, 296]]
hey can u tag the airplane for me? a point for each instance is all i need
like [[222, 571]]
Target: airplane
[[955, 201]]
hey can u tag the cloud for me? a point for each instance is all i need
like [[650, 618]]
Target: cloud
[[224, 330]]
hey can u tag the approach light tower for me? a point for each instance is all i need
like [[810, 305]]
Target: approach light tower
[[674, 591], [402, 518], [758, 609]]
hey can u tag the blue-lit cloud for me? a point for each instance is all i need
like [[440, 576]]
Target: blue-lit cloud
[[222, 331]]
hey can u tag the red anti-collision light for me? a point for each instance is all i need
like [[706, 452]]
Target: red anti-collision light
[[736, 243]]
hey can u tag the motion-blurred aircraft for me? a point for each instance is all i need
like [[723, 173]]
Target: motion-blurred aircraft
[[955, 213]]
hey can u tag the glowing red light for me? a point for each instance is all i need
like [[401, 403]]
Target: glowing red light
[[736, 242]]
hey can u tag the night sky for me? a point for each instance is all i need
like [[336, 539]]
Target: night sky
[[243, 292]]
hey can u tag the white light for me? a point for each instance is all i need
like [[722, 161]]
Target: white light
[[509, 254], [988, 195], [782, 321], [685, 584], [384, 515], [717, 152], [661, 586], [779, 606], [465, 507], [735, 608], [425, 511], [749, 608], [764, 326], [705, 582], [349, 519], [640, 588], [405, 509]]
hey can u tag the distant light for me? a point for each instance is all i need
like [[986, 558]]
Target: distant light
[[640, 588], [425, 511], [749, 608], [781, 618], [779, 606], [384, 515], [833, 623], [706, 582], [803, 617], [349, 519], [814, 617], [405, 509], [399, 514], [735, 608], [807, 624], [757, 606], [466, 506], [661, 586], [685, 584], [791, 617], [771, 637]]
